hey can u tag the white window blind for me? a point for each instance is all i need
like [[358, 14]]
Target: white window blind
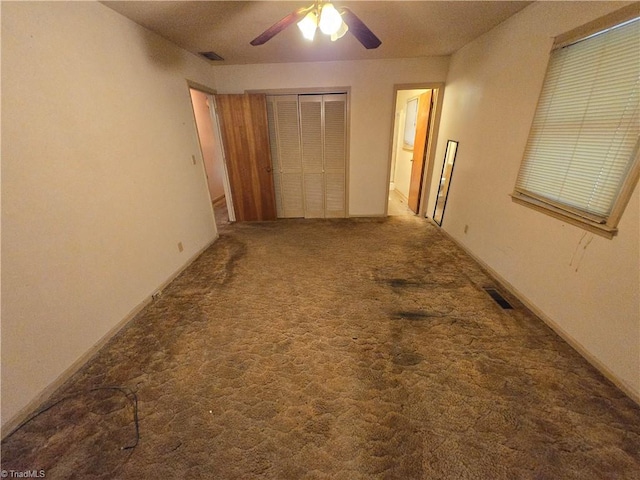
[[586, 129]]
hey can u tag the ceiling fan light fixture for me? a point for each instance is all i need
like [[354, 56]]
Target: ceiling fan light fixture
[[308, 25], [332, 22], [330, 19]]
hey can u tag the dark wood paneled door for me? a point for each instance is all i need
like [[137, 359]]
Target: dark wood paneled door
[[245, 138], [419, 150]]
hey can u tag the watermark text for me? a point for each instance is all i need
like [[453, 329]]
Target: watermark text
[[23, 474]]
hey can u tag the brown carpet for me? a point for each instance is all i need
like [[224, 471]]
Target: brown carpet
[[344, 349]]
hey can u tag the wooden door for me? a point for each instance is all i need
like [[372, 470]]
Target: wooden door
[[245, 138], [419, 149]]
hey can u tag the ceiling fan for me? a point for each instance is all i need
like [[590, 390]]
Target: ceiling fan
[[331, 20]]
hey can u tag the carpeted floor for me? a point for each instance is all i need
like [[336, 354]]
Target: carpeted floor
[[343, 349]]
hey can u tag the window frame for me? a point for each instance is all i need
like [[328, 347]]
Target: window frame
[[609, 228]]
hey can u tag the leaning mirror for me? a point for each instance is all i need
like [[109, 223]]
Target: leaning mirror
[[445, 181]]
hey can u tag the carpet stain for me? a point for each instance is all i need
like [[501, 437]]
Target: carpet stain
[[402, 282], [407, 358]]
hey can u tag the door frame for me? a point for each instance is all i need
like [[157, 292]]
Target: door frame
[[436, 112], [210, 92]]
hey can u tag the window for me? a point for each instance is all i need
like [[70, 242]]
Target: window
[[581, 160]]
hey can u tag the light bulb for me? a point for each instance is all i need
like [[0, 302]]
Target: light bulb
[[340, 33], [330, 19], [308, 25]]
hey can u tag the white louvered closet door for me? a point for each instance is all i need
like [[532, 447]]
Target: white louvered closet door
[[308, 146], [311, 135], [335, 157], [284, 135]]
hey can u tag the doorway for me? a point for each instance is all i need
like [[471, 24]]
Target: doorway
[[207, 130], [410, 171]]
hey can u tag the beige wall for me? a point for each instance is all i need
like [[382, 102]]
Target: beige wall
[[98, 182], [587, 285], [372, 109]]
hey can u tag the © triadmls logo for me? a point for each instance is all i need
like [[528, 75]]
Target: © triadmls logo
[[23, 474]]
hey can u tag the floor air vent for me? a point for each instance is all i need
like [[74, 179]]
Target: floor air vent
[[499, 299]]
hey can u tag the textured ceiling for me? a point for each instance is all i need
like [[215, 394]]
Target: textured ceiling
[[407, 28]]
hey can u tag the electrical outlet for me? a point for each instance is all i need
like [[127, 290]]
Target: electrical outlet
[[155, 296], [180, 247]]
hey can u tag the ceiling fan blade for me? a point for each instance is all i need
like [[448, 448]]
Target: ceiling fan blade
[[277, 27], [359, 30]]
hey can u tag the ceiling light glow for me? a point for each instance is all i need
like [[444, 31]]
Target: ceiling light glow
[[330, 19], [308, 25], [340, 33]]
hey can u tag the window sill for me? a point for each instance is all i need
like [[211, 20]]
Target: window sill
[[598, 228]]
